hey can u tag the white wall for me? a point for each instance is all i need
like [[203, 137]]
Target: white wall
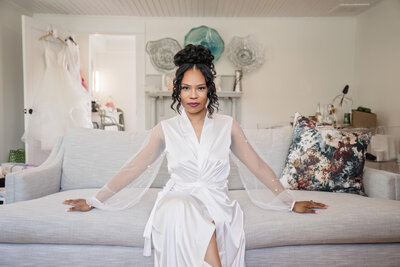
[[378, 63], [309, 60], [11, 79]]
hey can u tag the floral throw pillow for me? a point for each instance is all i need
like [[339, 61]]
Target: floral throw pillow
[[322, 158]]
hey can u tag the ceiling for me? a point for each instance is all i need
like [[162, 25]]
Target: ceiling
[[199, 8]]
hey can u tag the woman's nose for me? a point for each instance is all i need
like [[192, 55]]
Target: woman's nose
[[193, 93]]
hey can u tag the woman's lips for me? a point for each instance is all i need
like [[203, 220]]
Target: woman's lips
[[193, 104]]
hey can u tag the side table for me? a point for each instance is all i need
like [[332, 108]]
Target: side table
[[6, 168], [386, 165]]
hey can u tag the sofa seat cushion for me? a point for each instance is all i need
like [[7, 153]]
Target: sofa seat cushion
[[44, 220], [349, 219]]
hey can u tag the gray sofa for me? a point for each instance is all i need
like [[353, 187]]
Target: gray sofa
[[37, 231]]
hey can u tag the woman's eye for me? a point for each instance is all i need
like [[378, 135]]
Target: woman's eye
[[185, 88], [202, 88]]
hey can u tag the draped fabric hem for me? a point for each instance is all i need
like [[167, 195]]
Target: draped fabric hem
[[149, 225]]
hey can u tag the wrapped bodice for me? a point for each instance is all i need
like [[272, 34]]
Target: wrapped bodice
[[190, 161]]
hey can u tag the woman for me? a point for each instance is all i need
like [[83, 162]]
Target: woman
[[193, 221]]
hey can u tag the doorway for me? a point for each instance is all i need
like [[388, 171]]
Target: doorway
[[112, 78]]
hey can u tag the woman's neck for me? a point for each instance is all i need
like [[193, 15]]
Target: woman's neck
[[197, 118]]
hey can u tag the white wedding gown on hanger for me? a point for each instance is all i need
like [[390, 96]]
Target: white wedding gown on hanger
[[74, 61], [194, 203], [59, 102]]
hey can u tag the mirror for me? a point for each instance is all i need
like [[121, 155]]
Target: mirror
[[112, 81]]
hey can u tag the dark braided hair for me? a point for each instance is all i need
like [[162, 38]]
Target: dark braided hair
[[200, 57]]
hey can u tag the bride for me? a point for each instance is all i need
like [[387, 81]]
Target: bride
[[193, 221]]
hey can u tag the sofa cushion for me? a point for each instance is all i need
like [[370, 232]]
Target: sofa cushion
[[349, 219], [325, 159], [44, 220], [92, 157], [272, 145]]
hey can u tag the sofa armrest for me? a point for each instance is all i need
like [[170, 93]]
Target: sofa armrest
[[381, 184], [37, 182]]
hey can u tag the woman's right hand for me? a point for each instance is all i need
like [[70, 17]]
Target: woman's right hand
[[77, 204], [308, 206]]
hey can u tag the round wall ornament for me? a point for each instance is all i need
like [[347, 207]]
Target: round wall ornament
[[162, 54], [207, 37], [245, 53]]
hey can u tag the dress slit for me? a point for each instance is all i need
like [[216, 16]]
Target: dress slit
[[208, 243]]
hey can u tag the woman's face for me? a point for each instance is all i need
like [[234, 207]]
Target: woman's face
[[194, 92]]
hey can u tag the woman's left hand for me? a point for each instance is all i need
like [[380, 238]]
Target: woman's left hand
[[308, 206]]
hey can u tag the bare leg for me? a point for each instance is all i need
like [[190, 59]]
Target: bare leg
[[212, 256]]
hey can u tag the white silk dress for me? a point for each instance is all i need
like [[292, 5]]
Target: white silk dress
[[194, 202]]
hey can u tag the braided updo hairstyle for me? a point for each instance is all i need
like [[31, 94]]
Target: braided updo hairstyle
[[200, 57]]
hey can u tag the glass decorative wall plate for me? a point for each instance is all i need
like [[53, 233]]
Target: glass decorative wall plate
[[245, 53], [162, 54], [207, 37]]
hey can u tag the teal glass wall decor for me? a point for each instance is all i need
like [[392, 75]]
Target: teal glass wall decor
[[207, 37]]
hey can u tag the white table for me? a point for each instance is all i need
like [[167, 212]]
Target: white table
[[386, 165], [113, 114]]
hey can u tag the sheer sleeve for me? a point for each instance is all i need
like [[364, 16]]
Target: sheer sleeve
[[130, 183], [262, 185]]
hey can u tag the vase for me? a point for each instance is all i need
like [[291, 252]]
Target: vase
[[238, 81]]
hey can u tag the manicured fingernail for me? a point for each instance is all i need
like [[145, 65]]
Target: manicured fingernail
[[316, 211], [67, 210]]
